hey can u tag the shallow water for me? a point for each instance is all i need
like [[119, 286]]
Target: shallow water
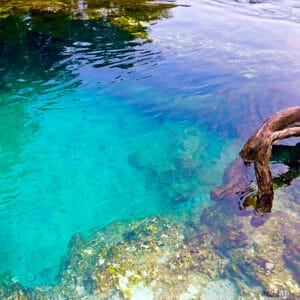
[[100, 123]]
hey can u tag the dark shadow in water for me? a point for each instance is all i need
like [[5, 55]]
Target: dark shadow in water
[[39, 40], [238, 182], [286, 155], [40, 44], [291, 257], [289, 156]]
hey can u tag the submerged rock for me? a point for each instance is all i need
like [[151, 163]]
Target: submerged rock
[[262, 253], [212, 254], [221, 290]]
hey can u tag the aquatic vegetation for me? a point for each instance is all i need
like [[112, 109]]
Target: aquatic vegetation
[[117, 119], [131, 16], [46, 33], [188, 258], [153, 263]]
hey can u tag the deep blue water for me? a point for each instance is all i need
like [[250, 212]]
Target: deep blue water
[[98, 125]]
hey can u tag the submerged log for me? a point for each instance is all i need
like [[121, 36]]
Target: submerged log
[[282, 125], [258, 149]]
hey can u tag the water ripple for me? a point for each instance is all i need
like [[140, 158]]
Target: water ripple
[[98, 125], [288, 10]]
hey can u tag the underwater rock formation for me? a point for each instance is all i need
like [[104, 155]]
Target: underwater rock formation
[[191, 256], [261, 249], [236, 180], [140, 260]]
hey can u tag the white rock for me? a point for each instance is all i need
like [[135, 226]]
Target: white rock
[[141, 292], [221, 290]]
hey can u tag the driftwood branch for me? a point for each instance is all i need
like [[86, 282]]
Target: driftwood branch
[[237, 179], [258, 149], [284, 124]]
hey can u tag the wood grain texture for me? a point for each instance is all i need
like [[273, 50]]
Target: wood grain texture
[[284, 124]]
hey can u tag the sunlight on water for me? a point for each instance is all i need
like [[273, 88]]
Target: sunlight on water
[[85, 161], [106, 120]]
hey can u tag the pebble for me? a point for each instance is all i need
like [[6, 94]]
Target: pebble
[[269, 266]]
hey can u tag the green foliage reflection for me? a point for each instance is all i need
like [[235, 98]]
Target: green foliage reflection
[[36, 34], [133, 16]]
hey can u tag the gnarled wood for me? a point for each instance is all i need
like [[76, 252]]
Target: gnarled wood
[[258, 149], [238, 177], [283, 124]]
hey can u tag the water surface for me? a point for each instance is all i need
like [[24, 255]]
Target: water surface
[[103, 121]]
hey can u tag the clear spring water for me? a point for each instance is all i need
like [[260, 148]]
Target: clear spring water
[[98, 124]]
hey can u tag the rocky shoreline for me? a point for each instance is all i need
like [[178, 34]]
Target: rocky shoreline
[[216, 253]]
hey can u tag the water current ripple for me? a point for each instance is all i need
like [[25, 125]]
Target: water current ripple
[[286, 10], [102, 121]]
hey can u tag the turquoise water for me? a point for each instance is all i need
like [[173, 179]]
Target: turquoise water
[[85, 162], [100, 125]]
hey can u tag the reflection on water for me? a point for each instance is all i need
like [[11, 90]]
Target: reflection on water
[[56, 37], [238, 179], [273, 9], [123, 110], [133, 16], [290, 156], [234, 63]]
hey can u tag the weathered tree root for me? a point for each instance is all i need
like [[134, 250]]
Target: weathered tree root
[[283, 124]]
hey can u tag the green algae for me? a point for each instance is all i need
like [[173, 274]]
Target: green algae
[[131, 16], [97, 265], [191, 258]]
